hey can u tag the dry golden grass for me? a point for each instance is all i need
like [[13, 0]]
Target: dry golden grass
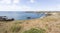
[[50, 23]]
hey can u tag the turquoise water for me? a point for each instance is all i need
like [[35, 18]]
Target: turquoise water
[[21, 15]]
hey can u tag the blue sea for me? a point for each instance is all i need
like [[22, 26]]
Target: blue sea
[[21, 15]]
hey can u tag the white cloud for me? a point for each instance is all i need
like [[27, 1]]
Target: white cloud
[[16, 1], [32, 1], [14, 8], [9, 1], [5, 2], [50, 8], [27, 8]]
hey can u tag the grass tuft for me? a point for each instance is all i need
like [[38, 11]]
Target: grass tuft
[[16, 28]]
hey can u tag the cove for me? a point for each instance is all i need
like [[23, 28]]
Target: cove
[[21, 15]]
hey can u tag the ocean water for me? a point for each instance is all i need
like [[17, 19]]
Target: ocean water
[[21, 15]]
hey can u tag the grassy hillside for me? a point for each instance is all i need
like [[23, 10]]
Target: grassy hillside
[[49, 24]]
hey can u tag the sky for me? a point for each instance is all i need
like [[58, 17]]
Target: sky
[[29, 5]]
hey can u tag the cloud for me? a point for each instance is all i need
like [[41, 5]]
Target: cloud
[[9, 1], [16, 1], [32, 1], [5, 2], [27, 8], [14, 8]]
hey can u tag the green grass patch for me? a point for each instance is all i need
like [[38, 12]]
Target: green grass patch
[[34, 30]]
